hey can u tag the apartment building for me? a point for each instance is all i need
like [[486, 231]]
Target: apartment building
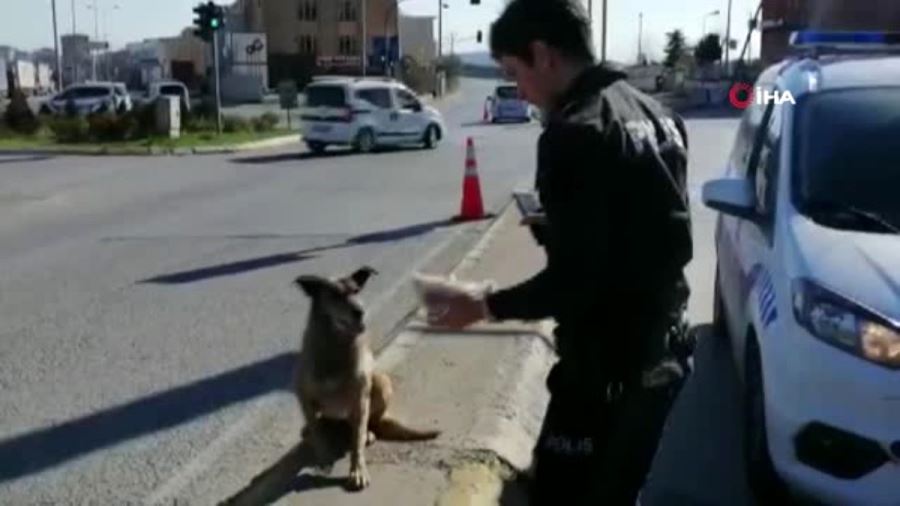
[[308, 37]]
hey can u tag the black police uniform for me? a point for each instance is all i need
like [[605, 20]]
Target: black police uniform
[[612, 166]]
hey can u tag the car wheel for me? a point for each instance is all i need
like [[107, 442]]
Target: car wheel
[[720, 326], [316, 147], [431, 137], [365, 141], [766, 486]]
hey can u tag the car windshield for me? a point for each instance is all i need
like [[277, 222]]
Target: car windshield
[[84, 92], [325, 96], [848, 162], [508, 92], [172, 90]]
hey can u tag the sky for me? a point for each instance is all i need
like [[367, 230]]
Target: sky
[[27, 24]]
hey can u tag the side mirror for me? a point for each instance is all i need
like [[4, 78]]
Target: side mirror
[[731, 196], [416, 107]]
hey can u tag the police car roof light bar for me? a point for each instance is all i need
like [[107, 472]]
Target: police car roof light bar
[[819, 42]]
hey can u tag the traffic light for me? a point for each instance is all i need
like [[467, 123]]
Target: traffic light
[[475, 2], [209, 18]]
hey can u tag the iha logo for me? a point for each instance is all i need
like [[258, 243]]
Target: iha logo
[[742, 95]]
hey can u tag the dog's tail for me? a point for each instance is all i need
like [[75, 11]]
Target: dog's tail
[[389, 429]]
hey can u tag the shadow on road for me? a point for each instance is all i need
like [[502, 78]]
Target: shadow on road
[[283, 477], [230, 269], [254, 264], [306, 155], [23, 158], [44, 448]]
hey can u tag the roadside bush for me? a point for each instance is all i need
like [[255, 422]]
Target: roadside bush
[[205, 109], [266, 122], [235, 124], [111, 128], [19, 117], [193, 123], [142, 121], [70, 130]]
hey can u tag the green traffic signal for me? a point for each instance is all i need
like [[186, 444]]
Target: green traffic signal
[[214, 23]]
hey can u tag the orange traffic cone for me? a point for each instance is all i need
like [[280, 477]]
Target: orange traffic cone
[[472, 207]]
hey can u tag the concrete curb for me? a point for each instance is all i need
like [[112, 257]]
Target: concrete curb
[[283, 140], [498, 448]]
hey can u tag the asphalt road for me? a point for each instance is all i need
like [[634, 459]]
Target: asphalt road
[[147, 304], [700, 459]]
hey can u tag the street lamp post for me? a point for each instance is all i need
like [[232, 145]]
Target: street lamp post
[[708, 15], [640, 38], [365, 34], [74, 57], [440, 29], [115, 7], [728, 39], [56, 52]]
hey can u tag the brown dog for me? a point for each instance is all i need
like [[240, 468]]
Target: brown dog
[[335, 377]]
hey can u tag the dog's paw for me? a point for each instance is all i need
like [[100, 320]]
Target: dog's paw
[[370, 438], [359, 479]]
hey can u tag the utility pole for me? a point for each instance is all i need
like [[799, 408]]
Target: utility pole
[[59, 81], [364, 23], [728, 41], [603, 45], [640, 38], [74, 57], [440, 29], [215, 37], [96, 40]]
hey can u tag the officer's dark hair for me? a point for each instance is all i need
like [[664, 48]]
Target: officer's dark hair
[[561, 24]]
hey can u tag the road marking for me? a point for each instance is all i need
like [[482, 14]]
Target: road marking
[[167, 492]]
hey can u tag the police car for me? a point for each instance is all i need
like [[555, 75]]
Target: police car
[[367, 113], [507, 105], [808, 275]]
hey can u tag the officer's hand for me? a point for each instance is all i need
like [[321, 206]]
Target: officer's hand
[[453, 306], [456, 312]]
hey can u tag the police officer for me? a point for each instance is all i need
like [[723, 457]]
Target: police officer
[[611, 179]]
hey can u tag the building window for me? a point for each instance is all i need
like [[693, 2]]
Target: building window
[[308, 10], [347, 45], [347, 11], [307, 44]]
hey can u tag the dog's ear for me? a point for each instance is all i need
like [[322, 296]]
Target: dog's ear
[[311, 285], [362, 275]]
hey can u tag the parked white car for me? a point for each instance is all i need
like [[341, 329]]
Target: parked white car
[[808, 275], [505, 104], [91, 98], [367, 113]]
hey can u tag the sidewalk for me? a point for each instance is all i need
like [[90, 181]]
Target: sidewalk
[[484, 388]]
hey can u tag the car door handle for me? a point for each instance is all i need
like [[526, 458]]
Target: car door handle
[[395, 116]]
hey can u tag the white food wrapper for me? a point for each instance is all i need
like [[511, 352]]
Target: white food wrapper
[[435, 290]]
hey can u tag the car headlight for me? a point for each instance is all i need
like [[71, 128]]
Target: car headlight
[[846, 324]]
